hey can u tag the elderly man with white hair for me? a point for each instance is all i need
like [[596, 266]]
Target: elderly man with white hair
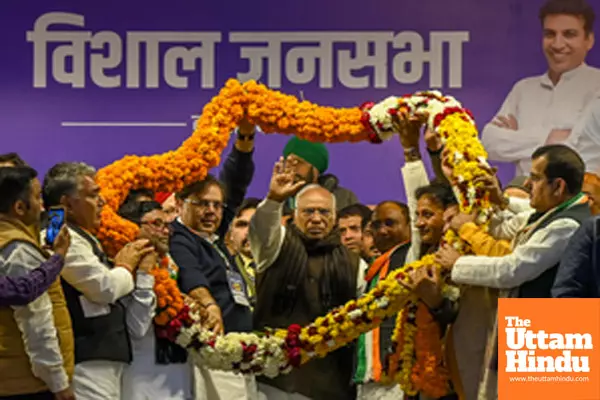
[[303, 271]]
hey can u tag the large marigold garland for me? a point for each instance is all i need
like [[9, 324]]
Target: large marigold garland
[[171, 171], [416, 363]]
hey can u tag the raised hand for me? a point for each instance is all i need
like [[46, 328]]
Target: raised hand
[[409, 129], [283, 182], [446, 166], [490, 183], [432, 140]]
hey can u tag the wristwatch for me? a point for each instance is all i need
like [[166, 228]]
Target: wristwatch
[[245, 137], [412, 154]]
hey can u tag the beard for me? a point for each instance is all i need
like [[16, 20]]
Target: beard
[[309, 178]]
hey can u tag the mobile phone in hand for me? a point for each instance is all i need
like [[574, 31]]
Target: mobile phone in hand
[[56, 219]]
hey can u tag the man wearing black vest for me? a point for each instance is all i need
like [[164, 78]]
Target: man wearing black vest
[[92, 286], [539, 238], [303, 271]]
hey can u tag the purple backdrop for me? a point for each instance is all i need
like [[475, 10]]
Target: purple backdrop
[[488, 46]]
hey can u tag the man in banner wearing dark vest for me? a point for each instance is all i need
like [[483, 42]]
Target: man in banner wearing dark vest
[[92, 286], [539, 238], [36, 340], [303, 271]]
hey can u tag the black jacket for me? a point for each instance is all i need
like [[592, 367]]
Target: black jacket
[[200, 263], [578, 275]]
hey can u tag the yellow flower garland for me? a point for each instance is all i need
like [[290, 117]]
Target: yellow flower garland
[[277, 112]]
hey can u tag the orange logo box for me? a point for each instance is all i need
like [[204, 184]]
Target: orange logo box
[[549, 349]]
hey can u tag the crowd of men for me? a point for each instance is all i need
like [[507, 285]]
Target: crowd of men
[[75, 324]]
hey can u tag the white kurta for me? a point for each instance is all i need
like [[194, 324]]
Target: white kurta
[[144, 379], [528, 261], [539, 107], [585, 138], [100, 286]]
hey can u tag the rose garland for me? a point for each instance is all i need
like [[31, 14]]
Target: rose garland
[[416, 355], [466, 155]]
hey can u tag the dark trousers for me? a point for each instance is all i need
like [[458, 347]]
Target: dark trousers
[[35, 396], [447, 397]]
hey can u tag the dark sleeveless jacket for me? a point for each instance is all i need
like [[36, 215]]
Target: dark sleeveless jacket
[[308, 279], [98, 338], [541, 286]]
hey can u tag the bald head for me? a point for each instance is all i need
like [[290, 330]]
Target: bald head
[[390, 225], [315, 190], [315, 211]]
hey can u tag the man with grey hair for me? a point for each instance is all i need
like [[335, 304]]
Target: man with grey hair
[[303, 271], [91, 284]]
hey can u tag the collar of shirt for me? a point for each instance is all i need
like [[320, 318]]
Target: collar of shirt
[[566, 76], [211, 238], [92, 237], [246, 261]]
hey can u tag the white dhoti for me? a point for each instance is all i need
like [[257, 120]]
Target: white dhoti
[[222, 385], [146, 380], [98, 380]]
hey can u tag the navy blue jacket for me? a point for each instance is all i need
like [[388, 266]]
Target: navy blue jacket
[[200, 264], [579, 272]]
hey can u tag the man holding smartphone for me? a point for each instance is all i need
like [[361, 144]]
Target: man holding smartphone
[[36, 343], [93, 287]]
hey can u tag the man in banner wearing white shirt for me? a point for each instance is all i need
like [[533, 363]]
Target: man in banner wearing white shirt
[[544, 109], [586, 137]]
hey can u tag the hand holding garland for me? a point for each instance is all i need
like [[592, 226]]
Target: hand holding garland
[[210, 311], [130, 256], [409, 130], [246, 135], [276, 112], [426, 283], [148, 262], [491, 184]]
